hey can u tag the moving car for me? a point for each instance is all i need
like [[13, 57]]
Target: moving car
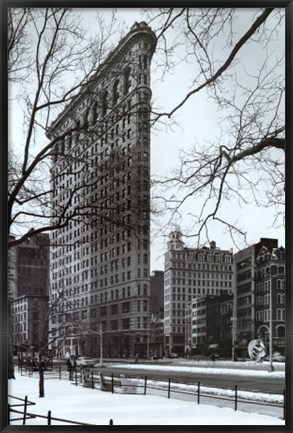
[[86, 361]]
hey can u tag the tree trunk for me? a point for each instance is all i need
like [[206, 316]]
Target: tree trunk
[[9, 348], [10, 359], [41, 377]]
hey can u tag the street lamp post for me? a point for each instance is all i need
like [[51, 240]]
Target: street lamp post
[[101, 345], [271, 367], [234, 330], [233, 327]]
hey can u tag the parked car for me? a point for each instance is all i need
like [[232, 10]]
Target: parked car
[[86, 361], [277, 357], [173, 355]]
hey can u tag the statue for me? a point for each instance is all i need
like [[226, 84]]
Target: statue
[[256, 350]]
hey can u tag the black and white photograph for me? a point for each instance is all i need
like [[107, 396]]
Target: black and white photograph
[[146, 263]]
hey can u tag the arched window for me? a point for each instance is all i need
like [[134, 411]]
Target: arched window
[[263, 332], [281, 331]]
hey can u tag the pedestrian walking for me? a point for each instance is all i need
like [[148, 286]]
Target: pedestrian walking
[[71, 366]]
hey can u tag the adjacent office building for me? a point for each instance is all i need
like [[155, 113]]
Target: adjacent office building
[[211, 324], [191, 273]]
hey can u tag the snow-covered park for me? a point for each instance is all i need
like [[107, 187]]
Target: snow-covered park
[[93, 406]]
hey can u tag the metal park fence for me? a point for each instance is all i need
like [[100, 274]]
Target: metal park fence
[[25, 415], [169, 388]]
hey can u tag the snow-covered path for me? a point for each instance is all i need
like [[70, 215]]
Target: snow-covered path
[[95, 407]]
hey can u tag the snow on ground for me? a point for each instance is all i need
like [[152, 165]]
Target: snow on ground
[[69, 402], [203, 370], [226, 363], [209, 390]]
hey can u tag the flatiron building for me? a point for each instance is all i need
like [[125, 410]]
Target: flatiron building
[[100, 174]]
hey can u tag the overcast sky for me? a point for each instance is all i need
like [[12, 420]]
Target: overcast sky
[[198, 121]]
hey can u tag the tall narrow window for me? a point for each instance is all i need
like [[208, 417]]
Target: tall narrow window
[[69, 140], [95, 112], [126, 80], [105, 103], [62, 146], [116, 92]]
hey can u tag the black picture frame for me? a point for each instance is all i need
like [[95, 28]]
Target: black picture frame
[[289, 215]]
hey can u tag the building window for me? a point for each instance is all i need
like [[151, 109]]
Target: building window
[[126, 80], [126, 307], [283, 314], [125, 323], [281, 332], [93, 313], [114, 309], [105, 103], [116, 92], [114, 325]]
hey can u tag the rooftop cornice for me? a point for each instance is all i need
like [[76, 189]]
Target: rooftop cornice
[[137, 31]]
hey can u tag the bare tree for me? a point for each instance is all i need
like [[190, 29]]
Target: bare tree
[[18, 44], [64, 71], [63, 63], [50, 61], [246, 161]]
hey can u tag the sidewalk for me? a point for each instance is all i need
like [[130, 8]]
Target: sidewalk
[[252, 408]]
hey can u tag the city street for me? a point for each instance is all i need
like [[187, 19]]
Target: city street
[[246, 382], [249, 383]]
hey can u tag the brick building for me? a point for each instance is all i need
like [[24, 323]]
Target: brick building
[[270, 281], [245, 268], [28, 267]]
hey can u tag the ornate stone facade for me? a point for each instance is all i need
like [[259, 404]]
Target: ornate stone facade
[[191, 273], [101, 180]]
